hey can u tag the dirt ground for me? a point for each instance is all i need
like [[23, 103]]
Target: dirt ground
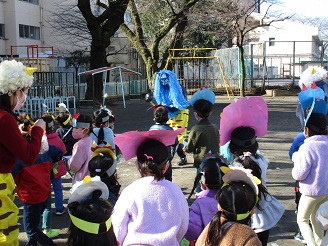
[[283, 127]]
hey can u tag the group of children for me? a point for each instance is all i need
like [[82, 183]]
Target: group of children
[[153, 210], [67, 139], [232, 206]]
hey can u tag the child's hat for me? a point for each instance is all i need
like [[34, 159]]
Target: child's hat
[[314, 98], [246, 111], [310, 75], [205, 94], [82, 190], [239, 174], [129, 142]]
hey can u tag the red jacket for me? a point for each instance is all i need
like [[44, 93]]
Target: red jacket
[[33, 182], [13, 145]]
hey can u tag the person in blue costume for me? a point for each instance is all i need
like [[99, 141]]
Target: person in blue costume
[[170, 93]]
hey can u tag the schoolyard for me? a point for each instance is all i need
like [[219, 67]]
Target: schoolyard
[[282, 128]]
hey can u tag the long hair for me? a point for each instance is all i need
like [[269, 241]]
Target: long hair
[[234, 198], [93, 210], [242, 141], [100, 117], [152, 156]]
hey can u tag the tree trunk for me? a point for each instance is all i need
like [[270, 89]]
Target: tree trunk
[[151, 70], [97, 60], [242, 70]]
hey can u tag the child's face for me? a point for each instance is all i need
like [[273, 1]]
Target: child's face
[[79, 133]]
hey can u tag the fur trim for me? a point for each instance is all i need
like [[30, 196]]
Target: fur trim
[[312, 74]]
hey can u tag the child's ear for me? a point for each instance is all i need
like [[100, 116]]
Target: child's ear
[[202, 185], [166, 166]]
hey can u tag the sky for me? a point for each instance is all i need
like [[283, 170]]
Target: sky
[[309, 8]]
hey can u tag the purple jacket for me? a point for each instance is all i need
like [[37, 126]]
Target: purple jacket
[[201, 213], [310, 166]]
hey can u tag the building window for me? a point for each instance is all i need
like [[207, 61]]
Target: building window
[[271, 41], [31, 1], [31, 32], [2, 30]]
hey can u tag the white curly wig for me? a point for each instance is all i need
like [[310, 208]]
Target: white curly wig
[[14, 75], [312, 74]]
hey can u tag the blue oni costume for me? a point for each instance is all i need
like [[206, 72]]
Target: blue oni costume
[[170, 93]]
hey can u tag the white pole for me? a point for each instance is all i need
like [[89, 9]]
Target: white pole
[[122, 87]]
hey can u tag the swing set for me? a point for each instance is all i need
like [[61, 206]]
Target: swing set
[[198, 67]]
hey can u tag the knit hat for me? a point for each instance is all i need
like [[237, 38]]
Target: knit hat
[[14, 75]]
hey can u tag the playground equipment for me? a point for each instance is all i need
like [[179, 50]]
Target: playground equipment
[[105, 72], [198, 67], [49, 88]]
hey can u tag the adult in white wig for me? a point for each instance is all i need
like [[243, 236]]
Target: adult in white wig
[[15, 80]]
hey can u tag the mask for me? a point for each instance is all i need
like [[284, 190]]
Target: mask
[[19, 104], [78, 134]]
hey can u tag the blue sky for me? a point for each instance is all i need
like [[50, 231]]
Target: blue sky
[[310, 8]]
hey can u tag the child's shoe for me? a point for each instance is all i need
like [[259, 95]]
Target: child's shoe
[[183, 161], [298, 237], [60, 212], [51, 233]]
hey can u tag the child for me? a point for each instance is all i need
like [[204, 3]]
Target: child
[[321, 219], [81, 154], [102, 165], [58, 167], [102, 134], [310, 169], [151, 210], [90, 215], [268, 212], [33, 188], [205, 205], [298, 141], [237, 199], [203, 137], [65, 131], [161, 117]]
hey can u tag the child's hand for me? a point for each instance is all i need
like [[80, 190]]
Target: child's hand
[[41, 123]]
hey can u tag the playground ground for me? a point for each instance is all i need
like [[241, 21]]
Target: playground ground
[[283, 127]]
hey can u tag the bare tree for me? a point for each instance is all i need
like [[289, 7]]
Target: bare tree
[[243, 22], [156, 27], [100, 22]]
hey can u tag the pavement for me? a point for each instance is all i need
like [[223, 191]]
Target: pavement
[[282, 128]]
